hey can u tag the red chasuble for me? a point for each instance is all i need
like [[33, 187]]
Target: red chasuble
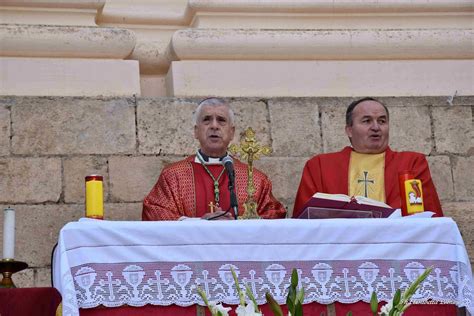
[[328, 173], [185, 189]]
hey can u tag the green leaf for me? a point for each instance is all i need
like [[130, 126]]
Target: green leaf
[[203, 296], [405, 307], [349, 314], [298, 310], [252, 298], [276, 309], [237, 287], [397, 297], [414, 286], [392, 311], [291, 300], [291, 306], [291, 294], [299, 303], [300, 296], [294, 278], [374, 304]]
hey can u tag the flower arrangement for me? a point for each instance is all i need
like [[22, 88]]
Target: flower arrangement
[[294, 300], [400, 302], [245, 308]]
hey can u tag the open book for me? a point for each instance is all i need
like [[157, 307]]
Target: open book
[[323, 205]]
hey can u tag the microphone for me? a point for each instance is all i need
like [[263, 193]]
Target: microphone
[[228, 163], [229, 167]]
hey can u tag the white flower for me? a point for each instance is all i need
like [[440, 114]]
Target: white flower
[[248, 310], [385, 310], [217, 307]]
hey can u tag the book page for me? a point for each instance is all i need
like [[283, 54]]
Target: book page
[[334, 197], [346, 198], [368, 201]]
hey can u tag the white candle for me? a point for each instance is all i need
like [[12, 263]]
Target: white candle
[[8, 233]]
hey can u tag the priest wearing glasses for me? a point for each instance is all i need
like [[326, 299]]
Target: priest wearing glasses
[[197, 187]]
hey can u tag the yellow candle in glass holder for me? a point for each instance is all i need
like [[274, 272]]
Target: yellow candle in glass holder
[[94, 197]]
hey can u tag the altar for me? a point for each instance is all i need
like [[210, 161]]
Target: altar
[[113, 263]]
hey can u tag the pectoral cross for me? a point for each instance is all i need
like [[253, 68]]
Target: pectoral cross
[[366, 183], [212, 207]]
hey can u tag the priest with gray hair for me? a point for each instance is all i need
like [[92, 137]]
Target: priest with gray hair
[[198, 186]]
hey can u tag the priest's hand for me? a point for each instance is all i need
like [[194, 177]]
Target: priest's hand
[[218, 215]]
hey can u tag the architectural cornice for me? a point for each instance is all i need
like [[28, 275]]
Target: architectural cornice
[[146, 12], [225, 44], [225, 36], [58, 12], [184, 13], [335, 14], [65, 41], [155, 21], [55, 4], [331, 6]]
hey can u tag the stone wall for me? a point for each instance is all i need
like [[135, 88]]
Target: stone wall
[[49, 144]]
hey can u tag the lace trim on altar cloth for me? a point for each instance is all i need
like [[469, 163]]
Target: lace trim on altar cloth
[[324, 282]]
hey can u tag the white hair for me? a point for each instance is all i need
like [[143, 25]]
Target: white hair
[[212, 102]]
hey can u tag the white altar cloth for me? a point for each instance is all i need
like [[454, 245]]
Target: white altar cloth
[[162, 263]]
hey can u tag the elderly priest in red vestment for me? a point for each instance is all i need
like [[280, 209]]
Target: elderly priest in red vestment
[[198, 185], [369, 168]]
